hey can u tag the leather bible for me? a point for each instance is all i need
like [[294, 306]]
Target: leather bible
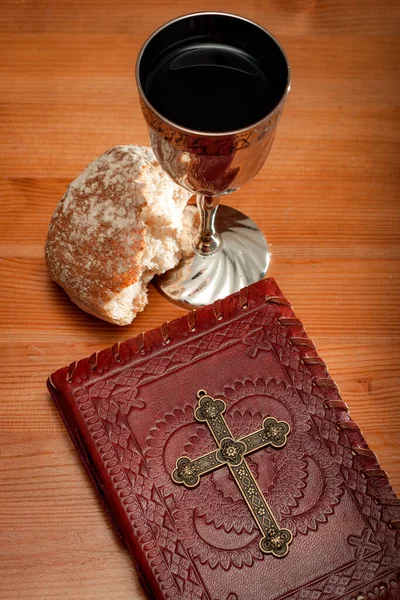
[[228, 462]]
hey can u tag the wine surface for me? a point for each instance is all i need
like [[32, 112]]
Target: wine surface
[[211, 87]]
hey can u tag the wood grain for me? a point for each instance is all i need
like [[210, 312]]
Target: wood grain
[[328, 201]]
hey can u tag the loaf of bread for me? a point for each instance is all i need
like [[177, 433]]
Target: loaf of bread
[[115, 228]]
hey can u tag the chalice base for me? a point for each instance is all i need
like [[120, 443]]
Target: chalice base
[[200, 280]]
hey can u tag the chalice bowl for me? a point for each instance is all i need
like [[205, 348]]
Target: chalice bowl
[[212, 88]]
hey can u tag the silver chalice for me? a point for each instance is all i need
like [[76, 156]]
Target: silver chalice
[[212, 88]]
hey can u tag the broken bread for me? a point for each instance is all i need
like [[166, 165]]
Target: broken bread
[[117, 225]]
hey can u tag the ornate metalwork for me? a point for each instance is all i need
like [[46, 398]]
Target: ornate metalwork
[[232, 453]]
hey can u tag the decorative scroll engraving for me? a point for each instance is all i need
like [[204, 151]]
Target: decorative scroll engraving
[[232, 453], [215, 146]]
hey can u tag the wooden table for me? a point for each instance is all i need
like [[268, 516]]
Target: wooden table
[[328, 201]]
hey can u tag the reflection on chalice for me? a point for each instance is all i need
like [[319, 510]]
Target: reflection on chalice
[[212, 88]]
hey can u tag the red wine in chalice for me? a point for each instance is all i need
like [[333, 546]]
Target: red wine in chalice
[[212, 87]]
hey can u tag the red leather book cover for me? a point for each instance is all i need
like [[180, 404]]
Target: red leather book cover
[[228, 462]]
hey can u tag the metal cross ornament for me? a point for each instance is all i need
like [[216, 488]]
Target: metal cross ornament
[[232, 453]]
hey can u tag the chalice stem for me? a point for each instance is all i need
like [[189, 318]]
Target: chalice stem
[[207, 240]]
